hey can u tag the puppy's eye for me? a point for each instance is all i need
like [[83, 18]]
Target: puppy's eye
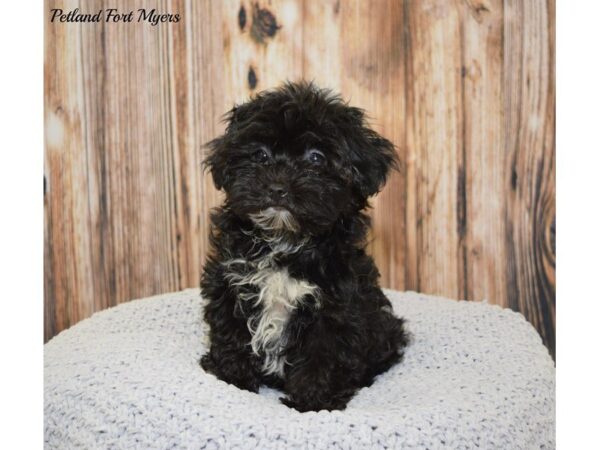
[[315, 157], [261, 156]]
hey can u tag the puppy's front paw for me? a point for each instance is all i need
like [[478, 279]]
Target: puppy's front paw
[[207, 364], [241, 373], [246, 384], [315, 403]]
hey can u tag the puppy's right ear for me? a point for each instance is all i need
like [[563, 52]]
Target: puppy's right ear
[[216, 161], [219, 148]]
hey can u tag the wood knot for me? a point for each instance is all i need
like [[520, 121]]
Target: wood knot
[[252, 80], [264, 24], [478, 9], [336, 7], [242, 18]]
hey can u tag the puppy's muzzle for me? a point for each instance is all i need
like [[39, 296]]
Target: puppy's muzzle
[[277, 191]]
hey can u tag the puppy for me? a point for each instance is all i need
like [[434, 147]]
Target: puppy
[[293, 300]]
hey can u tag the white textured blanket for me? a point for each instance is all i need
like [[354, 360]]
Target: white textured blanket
[[475, 376]]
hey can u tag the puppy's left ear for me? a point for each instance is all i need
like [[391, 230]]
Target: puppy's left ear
[[371, 155]]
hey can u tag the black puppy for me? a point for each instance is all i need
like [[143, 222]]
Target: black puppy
[[293, 300]]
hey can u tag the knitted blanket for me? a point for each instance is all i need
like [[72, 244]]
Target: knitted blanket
[[475, 376]]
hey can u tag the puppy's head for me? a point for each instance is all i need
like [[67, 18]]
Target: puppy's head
[[298, 158]]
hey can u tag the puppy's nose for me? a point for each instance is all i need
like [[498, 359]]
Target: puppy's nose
[[277, 190]]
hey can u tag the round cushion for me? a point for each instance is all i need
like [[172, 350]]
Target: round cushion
[[474, 375]]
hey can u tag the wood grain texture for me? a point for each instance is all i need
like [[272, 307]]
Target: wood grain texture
[[464, 88]]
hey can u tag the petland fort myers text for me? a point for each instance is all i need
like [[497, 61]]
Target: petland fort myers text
[[114, 15]]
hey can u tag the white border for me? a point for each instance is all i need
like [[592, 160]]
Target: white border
[[578, 224], [21, 233]]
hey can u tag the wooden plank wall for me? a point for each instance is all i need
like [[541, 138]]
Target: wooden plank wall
[[465, 89]]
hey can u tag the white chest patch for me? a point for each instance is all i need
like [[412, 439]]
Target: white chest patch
[[278, 294]]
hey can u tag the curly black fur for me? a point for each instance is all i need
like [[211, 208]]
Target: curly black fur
[[293, 300]]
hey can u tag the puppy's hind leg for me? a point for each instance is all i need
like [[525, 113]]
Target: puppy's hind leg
[[389, 338]]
